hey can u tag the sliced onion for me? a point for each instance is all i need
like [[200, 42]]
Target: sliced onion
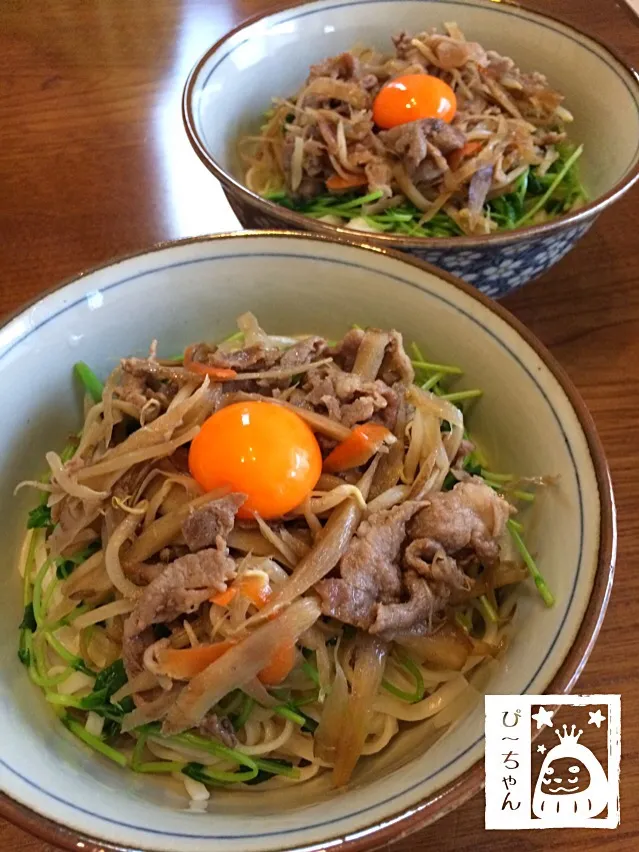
[[239, 665], [329, 548], [297, 162], [101, 613], [124, 462], [448, 649], [319, 422], [370, 354], [334, 713], [276, 375], [140, 683], [410, 190], [161, 532], [151, 711], [444, 410], [122, 532], [69, 484], [256, 690], [250, 328], [368, 671]]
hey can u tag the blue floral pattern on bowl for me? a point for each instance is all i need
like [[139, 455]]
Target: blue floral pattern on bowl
[[494, 269], [499, 270]]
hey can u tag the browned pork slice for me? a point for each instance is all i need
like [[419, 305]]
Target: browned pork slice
[[304, 352], [145, 379], [369, 569], [453, 53], [323, 90], [261, 357], [180, 589], [202, 527], [346, 66], [441, 570], [379, 176], [345, 396], [471, 516], [254, 359], [417, 610], [347, 603], [139, 389], [410, 141]]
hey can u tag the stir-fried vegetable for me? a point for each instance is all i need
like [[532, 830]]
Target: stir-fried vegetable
[[532, 198], [92, 384], [368, 671], [359, 448], [175, 640], [439, 138]]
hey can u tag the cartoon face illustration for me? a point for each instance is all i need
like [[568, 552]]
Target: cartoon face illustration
[[572, 784], [565, 775]]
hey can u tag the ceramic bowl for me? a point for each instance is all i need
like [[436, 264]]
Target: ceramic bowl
[[231, 87], [530, 421]]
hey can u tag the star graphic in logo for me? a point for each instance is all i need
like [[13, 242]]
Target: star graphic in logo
[[543, 717], [596, 718], [541, 749]]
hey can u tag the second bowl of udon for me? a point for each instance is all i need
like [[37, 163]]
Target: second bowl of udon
[[515, 130]]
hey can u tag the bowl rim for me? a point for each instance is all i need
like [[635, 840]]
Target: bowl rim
[[454, 794], [240, 192]]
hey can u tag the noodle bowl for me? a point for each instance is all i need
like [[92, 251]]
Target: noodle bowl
[[528, 421], [182, 635]]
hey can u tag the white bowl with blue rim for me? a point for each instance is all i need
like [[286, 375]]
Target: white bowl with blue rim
[[231, 87], [530, 421]]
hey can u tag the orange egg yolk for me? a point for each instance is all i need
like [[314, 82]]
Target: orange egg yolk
[[413, 97], [259, 449]]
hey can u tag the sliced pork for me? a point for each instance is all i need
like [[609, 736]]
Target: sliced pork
[[202, 527], [471, 516], [180, 589]]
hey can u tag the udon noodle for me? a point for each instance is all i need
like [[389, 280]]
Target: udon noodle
[[180, 636]]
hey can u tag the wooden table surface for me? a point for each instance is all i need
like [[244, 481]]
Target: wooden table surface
[[94, 163]]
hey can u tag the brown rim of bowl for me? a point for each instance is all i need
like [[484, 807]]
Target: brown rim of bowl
[[457, 792], [298, 220]]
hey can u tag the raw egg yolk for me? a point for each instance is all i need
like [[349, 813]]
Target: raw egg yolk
[[259, 449], [413, 97]]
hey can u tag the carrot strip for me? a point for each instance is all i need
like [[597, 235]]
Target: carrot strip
[[224, 598], [279, 666], [337, 182], [363, 442], [254, 587], [462, 153], [184, 663], [217, 374]]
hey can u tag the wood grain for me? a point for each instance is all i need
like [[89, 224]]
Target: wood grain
[[94, 163]]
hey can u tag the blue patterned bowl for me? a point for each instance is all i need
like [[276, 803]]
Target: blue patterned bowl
[[232, 85]]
